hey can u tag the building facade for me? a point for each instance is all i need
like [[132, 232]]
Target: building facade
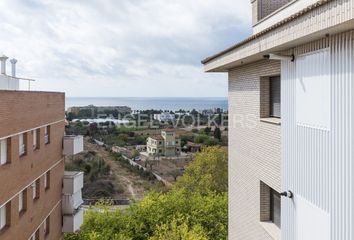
[[167, 144], [291, 96], [31, 161]]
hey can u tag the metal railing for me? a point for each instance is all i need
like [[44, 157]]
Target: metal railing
[[114, 202], [29, 80]]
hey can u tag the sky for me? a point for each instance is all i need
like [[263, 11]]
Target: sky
[[122, 48]]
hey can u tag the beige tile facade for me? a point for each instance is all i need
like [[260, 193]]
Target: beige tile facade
[[254, 153]]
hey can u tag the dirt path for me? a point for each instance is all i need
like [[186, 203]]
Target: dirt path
[[135, 187]]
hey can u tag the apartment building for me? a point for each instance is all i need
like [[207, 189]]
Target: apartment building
[[291, 122], [167, 144], [38, 200]]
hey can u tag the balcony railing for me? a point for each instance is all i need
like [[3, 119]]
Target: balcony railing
[[13, 83], [70, 203], [22, 149], [72, 182]]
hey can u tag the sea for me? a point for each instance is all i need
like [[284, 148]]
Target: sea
[[146, 103]]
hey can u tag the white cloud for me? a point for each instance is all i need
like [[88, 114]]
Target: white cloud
[[120, 47]]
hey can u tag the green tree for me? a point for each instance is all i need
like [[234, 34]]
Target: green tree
[[207, 173], [217, 133], [203, 216], [206, 130], [176, 173], [195, 209], [201, 138], [212, 142], [70, 116], [178, 229]]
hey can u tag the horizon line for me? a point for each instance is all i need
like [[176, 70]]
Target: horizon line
[[139, 97]]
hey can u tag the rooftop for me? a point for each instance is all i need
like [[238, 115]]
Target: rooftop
[[157, 137]]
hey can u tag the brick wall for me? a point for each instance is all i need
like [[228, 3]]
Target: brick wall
[[22, 112], [24, 224], [254, 150]]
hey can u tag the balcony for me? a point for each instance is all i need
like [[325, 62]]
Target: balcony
[[70, 203], [73, 145], [73, 182], [72, 223]]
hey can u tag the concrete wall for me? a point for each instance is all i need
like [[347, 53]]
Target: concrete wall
[[254, 152], [22, 112]]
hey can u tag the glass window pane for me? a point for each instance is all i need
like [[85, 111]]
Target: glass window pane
[[275, 97]]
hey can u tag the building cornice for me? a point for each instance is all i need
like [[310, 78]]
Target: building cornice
[[258, 35]]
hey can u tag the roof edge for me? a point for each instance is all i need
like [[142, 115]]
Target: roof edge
[[255, 36]]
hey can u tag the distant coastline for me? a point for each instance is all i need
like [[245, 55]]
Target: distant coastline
[[144, 103]]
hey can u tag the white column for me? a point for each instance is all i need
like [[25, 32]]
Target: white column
[[3, 59], [13, 65]]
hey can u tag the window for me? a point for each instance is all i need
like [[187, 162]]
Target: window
[[3, 151], [22, 140], [47, 134], [270, 99], [35, 189], [47, 180], [274, 92], [270, 205], [2, 217], [35, 236], [35, 139], [22, 201], [5, 215], [46, 226]]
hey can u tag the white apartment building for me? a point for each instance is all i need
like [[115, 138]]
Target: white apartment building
[[291, 122]]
